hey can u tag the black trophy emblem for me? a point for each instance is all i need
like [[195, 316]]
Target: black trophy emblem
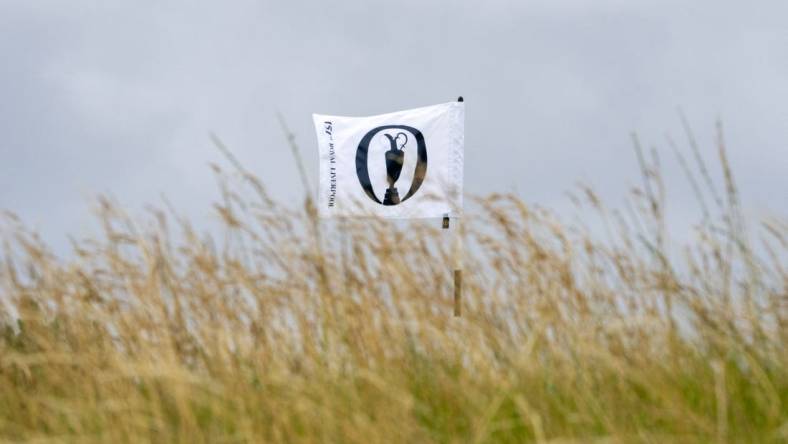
[[395, 158]]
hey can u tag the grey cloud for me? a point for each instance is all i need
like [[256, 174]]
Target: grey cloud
[[120, 98]]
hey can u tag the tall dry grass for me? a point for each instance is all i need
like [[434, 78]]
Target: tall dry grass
[[289, 330]]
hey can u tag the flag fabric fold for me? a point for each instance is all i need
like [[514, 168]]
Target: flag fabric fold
[[405, 164]]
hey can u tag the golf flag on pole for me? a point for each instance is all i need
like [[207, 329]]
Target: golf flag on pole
[[405, 164]]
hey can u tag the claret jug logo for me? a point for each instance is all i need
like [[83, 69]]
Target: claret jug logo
[[401, 139]]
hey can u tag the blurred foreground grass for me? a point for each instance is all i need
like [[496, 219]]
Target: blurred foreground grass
[[289, 330]]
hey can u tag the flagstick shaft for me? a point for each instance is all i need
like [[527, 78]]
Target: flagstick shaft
[[457, 293], [456, 259]]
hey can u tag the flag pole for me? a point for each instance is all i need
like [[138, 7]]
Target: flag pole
[[456, 253], [457, 247]]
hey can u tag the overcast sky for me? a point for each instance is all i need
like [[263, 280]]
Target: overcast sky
[[111, 97]]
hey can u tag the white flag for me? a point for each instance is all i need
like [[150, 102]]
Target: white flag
[[405, 164]]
